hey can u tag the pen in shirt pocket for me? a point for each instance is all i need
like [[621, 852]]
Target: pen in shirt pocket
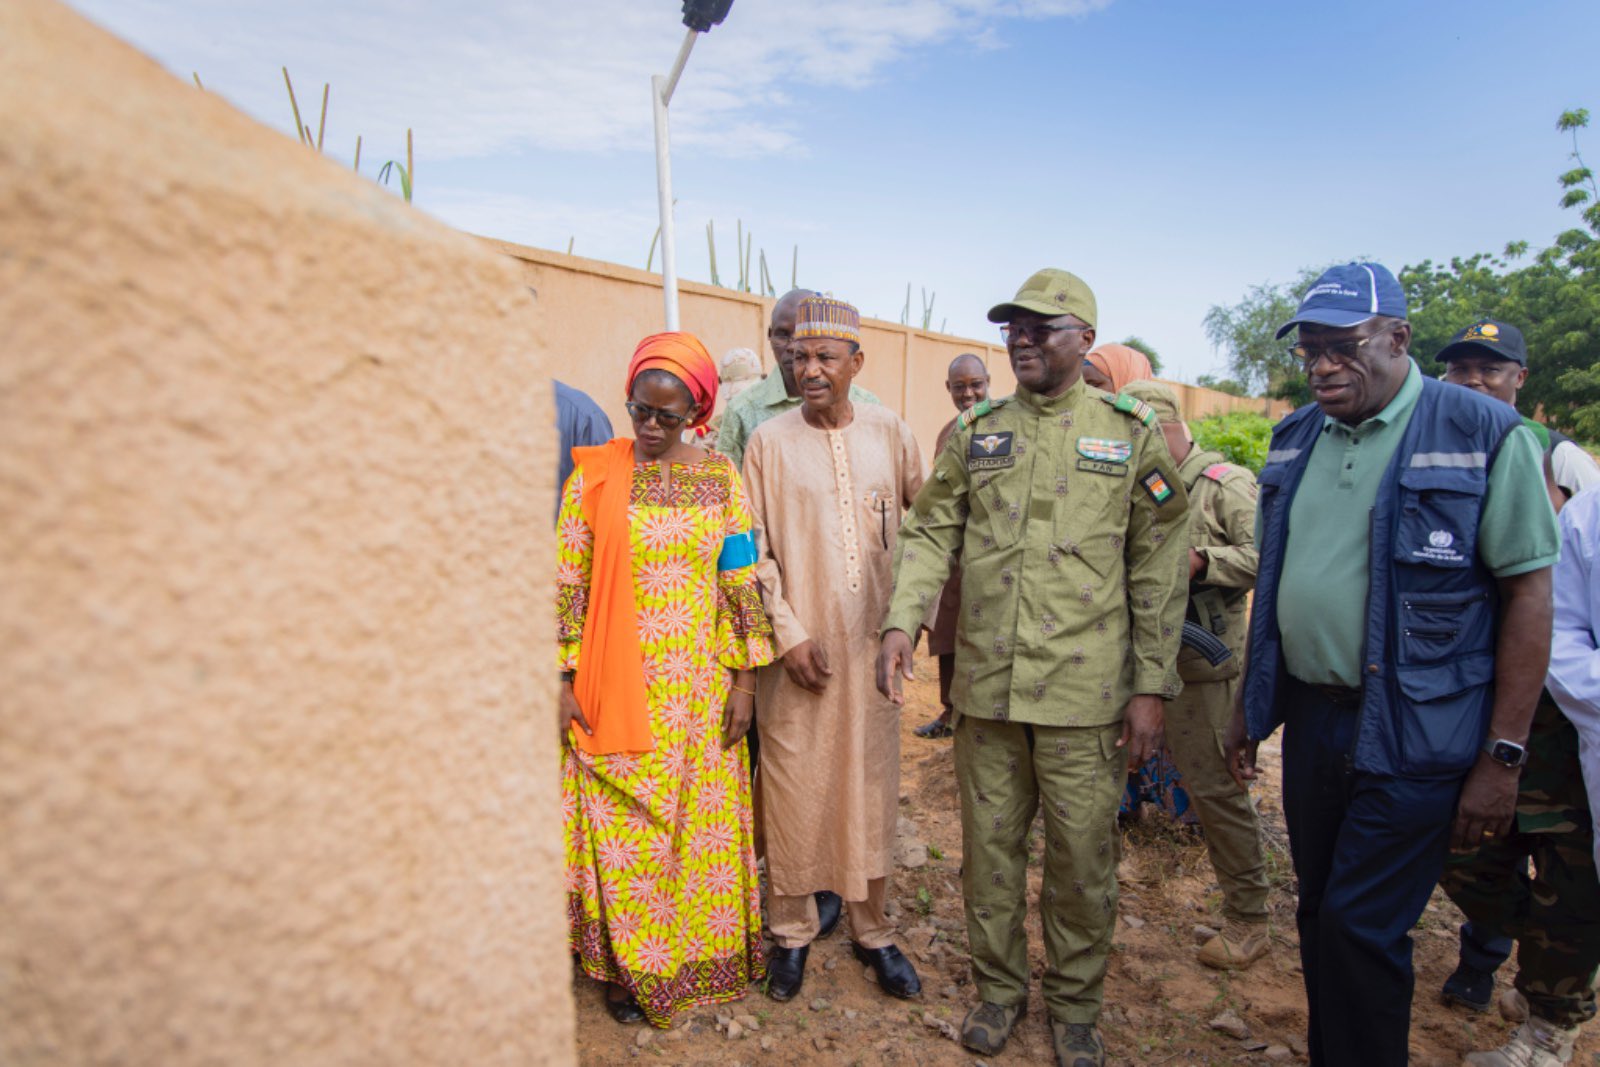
[[879, 502]]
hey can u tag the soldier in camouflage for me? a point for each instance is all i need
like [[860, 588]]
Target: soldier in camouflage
[[1222, 571], [1553, 914], [1067, 517]]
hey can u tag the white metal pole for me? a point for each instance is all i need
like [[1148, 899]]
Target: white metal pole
[[669, 260], [661, 90], [677, 65]]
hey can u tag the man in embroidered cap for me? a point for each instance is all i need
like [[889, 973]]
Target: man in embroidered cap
[[1400, 630], [776, 393], [828, 482], [1222, 571], [1067, 516]]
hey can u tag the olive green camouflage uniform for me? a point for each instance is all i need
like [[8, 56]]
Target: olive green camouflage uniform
[[1554, 915], [1222, 512], [1067, 517]]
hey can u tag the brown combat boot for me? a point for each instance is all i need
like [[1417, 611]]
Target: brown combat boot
[[1077, 1044], [1536, 1043], [1238, 946], [987, 1027]]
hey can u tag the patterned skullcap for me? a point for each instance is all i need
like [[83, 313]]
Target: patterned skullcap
[[823, 316], [740, 365]]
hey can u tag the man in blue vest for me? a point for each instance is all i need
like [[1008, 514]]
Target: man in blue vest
[[1401, 630]]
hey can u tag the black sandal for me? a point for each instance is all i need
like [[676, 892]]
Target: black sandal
[[938, 728], [625, 1010]]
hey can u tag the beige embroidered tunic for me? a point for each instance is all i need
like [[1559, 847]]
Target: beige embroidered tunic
[[828, 505]]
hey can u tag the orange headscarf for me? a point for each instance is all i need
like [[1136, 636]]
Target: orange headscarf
[[610, 685], [686, 359], [1121, 364]]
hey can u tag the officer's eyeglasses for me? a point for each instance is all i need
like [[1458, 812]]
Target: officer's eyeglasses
[[643, 413], [1340, 353], [1037, 331]]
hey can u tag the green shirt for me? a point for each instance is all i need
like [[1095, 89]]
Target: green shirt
[[1068, 519], [1322, 594], [756, 405]]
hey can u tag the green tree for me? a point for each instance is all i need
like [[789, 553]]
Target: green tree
[[1139, 344], [1221, 385], [1245, 332], [1553, 296]]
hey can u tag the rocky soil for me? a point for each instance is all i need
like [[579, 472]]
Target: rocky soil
[[1162, 1007]]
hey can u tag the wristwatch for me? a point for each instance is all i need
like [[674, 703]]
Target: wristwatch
[[1506, 753], [567, 676]]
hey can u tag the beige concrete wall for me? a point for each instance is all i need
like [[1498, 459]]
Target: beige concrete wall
[[595, 312], [277, 772]]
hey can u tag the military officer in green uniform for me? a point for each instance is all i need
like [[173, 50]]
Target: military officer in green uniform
[[1066, 515], [1222, 571]]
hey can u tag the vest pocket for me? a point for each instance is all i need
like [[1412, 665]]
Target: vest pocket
[[1432, 625], [1444, 713], [1438, 521]]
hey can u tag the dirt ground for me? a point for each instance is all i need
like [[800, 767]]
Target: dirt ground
[[1160, 1002]]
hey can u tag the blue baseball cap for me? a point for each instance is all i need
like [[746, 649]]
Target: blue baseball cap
[[1348, 295]]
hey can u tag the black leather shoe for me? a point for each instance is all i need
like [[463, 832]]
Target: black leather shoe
[[1469, 987], [786, 970], [895, 973], [829, 908], [624, 1009]]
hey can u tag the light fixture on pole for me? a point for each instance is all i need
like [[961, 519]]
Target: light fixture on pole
[[699, 16]]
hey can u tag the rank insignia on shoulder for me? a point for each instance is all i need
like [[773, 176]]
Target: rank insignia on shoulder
[[1105, 449], [1216, 472], [1157, 487], [1130, 405], [978, 411]]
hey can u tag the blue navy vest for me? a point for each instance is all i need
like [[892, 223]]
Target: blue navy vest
[[1432, 606]]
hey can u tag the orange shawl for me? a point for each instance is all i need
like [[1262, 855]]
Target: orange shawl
[[610, 684]]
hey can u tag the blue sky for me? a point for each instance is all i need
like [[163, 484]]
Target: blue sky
[[1172, 153]]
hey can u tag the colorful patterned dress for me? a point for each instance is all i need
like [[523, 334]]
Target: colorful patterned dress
[[662, 892]]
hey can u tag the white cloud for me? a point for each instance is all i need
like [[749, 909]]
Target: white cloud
[[481, 79]]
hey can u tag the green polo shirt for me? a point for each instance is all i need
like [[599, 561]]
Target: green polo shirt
[[1323, 590]]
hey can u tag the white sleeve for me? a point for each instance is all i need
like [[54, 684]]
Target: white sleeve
[[1575, 469], [1574, 678]]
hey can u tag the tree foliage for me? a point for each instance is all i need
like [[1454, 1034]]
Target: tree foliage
[[1139, 344], [1222, 385], [1257, 359], [1553, 296]]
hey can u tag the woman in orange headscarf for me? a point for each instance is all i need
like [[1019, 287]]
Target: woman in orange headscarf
[[1112, 367], [660, 625]]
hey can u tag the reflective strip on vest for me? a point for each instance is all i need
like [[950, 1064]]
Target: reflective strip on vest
[[1449, 459], [1283, 455]]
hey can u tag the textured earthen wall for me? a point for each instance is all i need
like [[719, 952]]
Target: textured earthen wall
[[277, 773], [595, 313]]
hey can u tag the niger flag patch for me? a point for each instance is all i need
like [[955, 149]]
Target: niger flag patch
[[1157, 487]]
